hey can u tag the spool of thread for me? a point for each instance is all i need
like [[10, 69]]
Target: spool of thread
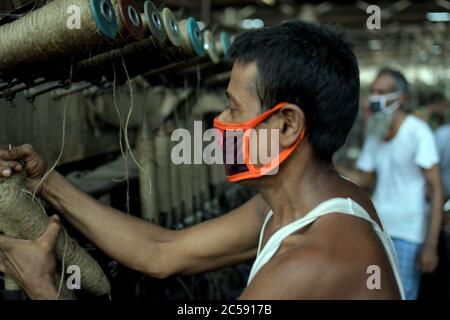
[[24, 218], [43, 35], [152, 20], [216, 174], [175, 177], [186, 187], [171, 27], [65, 294], [130, 25], [162, 151], [204, 187], [146, 154], [192, 42], [210, 46], [223, 44], [11, 284], [196, 187], [137, 55]]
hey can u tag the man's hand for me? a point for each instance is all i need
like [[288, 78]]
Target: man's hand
[[428, 259], [20, 158], [32, 263]]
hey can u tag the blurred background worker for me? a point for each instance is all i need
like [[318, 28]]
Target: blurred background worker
[[434, 114], [400, 153]]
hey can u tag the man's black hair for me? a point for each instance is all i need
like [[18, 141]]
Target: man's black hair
[[401, 84], [435, 98], [311, 66]]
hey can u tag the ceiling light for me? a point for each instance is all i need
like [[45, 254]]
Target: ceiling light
[[438, 16]]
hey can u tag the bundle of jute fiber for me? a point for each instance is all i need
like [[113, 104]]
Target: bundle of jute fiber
[[22, 216], [63, 292]]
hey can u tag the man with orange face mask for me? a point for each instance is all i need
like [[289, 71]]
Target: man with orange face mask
[[314, 234]]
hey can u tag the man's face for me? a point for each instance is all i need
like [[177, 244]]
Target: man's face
[[243, 105], [243, 101], [439, 107], [379, 123], [437, 113], [383, 85]]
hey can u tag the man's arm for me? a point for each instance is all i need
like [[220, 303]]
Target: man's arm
[[429, 258], [149, 248]]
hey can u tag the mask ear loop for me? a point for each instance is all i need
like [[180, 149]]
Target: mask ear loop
[[272, 164], [383, 104], [250, 123], [220, 137]]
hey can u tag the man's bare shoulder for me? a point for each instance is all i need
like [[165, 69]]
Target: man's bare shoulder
[[334, 266], [306, 272]]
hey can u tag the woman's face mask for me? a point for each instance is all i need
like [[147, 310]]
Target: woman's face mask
[[236, 138]]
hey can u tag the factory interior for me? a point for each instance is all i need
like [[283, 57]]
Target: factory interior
[[103, 90]]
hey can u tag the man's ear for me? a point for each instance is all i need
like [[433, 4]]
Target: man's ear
[[293, 123]]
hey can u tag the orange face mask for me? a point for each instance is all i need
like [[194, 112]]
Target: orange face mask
[[236, 142]]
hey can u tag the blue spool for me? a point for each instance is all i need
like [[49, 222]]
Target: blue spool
[[196, 37], [104, 16], [154, 21], [225, 43]]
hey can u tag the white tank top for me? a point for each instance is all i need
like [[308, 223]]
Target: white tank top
[[335, 205]]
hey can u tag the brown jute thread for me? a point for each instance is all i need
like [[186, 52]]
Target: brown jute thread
[[63, 292], [63, 138], [140, 56], [22, 217], [121, 130], [127, 141], [42, 35]]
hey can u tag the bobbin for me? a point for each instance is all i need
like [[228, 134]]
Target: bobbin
[[225, 43], [30, 44], [210, 46], [195, 36], [171, 28], [104, 16], [131, 26], [153, 25]]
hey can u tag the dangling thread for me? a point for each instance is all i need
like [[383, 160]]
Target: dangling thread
[[127, 142], [121, 130], [63, 266], [66, 104]]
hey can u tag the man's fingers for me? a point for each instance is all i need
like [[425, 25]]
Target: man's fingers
[[17, 153], [51, 233], [7, 167]]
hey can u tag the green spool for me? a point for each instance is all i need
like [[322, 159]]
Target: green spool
[[171, 28], [225, 43], [154, 21], [196, 37], [210, 46], [105, 18]]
